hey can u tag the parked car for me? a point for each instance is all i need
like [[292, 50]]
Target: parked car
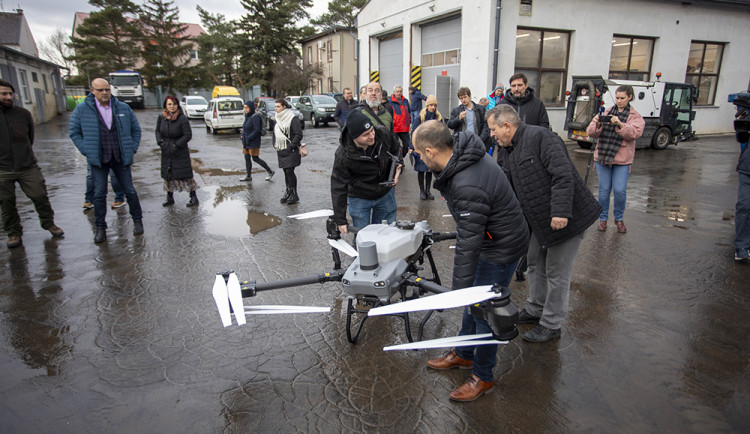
[[336, 96], [266, 107], [194, 106], [317, 108], [224, 112], [293, 100]]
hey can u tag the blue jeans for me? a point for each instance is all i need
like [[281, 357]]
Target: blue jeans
[[742, 214], [484, 356], [367, 211], [89, 196], [122, 173], [615, 178]]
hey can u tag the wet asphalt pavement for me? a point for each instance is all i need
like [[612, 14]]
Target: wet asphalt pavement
[[125, 336]]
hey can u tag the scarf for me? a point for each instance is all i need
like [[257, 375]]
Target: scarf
[[170, 116], [282, 129], [609, 140]]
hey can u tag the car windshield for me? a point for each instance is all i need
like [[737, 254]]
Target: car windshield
[[230, 105], [323, 99], [196, 101], [124, 80]]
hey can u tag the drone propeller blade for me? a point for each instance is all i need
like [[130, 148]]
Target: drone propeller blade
[[446, 300], [456, 341], [312, 214], [235, 298], [273, 310], [221, 297], [343, 246]]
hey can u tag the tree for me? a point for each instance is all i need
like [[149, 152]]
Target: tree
[[271, 32], [289, 77], [219, 49], [165, 47], [56, 50], [340, 13], [107, 40]]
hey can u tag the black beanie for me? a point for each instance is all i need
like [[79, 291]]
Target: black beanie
[[357, 123]]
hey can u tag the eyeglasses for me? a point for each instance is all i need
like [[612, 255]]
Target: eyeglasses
[[101, 90]]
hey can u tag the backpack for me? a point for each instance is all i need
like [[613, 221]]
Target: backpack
[[263, 130]]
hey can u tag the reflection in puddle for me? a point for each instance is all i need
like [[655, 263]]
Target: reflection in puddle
[[230, 217]]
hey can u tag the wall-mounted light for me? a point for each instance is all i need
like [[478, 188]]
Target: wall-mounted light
[[382, 23], [431, 8]]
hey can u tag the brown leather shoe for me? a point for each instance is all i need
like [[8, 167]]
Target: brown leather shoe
[[450, 361], [472, 389], [13, 241], [56, 231], [621, 228]]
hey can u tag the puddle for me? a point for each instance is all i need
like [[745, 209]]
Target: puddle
[[230, 216]]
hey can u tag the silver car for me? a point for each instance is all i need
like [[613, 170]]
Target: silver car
[[194, 106]]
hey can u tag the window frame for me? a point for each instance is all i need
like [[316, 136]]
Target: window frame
[[701, 74], [628, 71], [329, 50], [24, 82], [540, 70]]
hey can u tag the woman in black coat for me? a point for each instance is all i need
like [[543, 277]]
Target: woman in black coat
[[287, 138], [173, 132], [251, 132]]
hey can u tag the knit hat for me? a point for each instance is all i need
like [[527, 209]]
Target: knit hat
[[498, 86], [431, 99], [357, 123]]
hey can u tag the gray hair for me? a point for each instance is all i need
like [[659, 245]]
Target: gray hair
[[503, 113]]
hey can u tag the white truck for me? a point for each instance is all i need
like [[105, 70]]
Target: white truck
[[127, 86], [666, 107]]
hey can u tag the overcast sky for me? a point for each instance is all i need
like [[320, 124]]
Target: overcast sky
[[44, 16]]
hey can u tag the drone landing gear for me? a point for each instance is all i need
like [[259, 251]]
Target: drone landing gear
[[364, 304]]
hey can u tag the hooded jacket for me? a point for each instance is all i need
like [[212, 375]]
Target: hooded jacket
[[16, 138], [251, 128], [173, 137], [401, 114], [84, 130], [530, 109], [358, 172], [489, 220], [547, 185]]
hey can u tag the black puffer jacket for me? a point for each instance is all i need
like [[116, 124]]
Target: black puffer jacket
[[358, 172], [173, 137], [530, 109], [489, 220], [16, 138], [547, 185]]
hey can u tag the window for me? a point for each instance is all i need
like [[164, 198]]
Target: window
[[44, 79], [542, 55], [320, 86], [329, 50], [330, 84], [193, 54], [309, 56], [631, 58], [704, 64], [34, 77], [449, 57], [24, 85]]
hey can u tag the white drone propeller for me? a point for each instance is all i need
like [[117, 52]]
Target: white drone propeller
[[344, 247], [230, 293], [455, 341], [312, 214], [446, 300]]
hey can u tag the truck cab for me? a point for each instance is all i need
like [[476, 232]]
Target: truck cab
[[127, 86], [667, 109]]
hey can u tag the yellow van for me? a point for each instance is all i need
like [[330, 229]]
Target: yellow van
[[224, 91]]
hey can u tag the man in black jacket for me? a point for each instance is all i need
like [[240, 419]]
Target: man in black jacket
[[521, 97], [18, 165], [343, 108], [491, 235], [361, 165], [558, 207], [469, 116]]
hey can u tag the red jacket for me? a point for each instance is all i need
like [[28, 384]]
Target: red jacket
[[401, 116]]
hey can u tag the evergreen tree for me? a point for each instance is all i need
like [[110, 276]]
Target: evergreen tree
[[165, 47], [107, 39], [271, 31], [219, 47], [340, 13]]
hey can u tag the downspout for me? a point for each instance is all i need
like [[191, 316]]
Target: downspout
[[497, 42], [356, 53], [341, 64]]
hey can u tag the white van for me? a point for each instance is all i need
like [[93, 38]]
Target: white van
[[194, 106], [223, 113]]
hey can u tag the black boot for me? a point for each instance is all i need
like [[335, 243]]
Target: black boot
[[285, 197], [170, 199], [293, 198], [193, 199], [422, 195], [101, 235], [428, 194]]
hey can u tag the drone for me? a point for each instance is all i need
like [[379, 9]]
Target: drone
[[383, 279]]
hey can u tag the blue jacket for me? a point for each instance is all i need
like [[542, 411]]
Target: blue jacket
[[84, 130], [251, 131]]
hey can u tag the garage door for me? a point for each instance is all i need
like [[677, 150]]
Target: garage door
[[391, 62], [441, 54]]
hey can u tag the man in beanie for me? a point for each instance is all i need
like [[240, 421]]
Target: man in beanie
[[18, 165], [361, 167]]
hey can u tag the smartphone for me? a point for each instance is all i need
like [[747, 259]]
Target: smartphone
[[605, 118]]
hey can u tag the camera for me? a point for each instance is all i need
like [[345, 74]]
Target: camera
[[605, 118]]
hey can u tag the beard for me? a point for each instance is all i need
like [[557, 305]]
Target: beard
[[6, 103], [373, 104]]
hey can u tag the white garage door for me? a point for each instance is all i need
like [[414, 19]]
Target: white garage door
[[391, 63], [441, 54]]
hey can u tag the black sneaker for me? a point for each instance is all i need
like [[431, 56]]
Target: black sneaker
[[742, 255], [526, 318], [541, 333]]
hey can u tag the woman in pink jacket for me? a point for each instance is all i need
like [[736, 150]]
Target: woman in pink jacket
[[617, 130]]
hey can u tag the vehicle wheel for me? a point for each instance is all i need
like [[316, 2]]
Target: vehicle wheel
[[314, 120], [208, 129], [325, 124], [662, 138], [584, 145], [212, 130]]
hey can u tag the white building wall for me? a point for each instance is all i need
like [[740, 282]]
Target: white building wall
[[592, 23]]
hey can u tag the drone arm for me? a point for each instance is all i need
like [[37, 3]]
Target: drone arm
[[427, 285], [250, 288], [441, 236]]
